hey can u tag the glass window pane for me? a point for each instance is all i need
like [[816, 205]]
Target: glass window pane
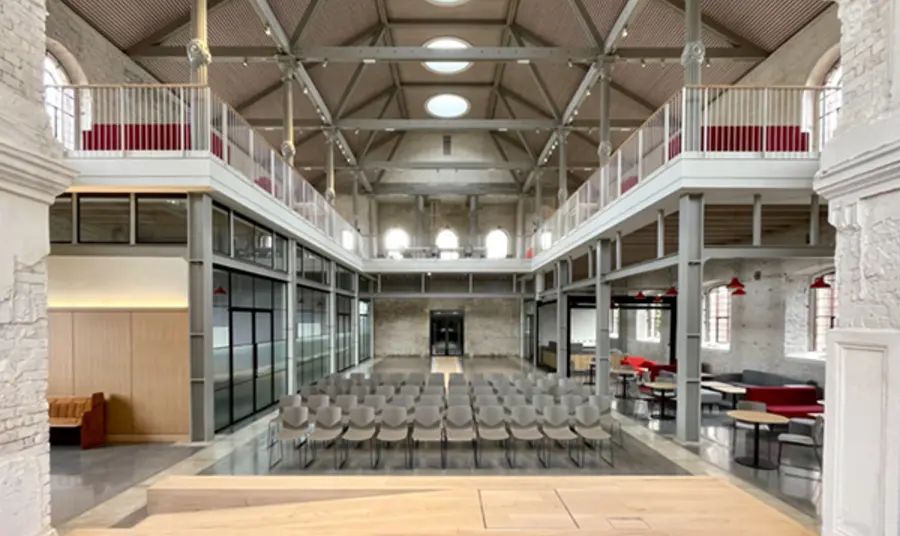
[[244, 236], [221, 349], [221, 232], [263, 293], [104, 219], [280, 253], [264, 247], [161, 219], [61, 219], [242, 324], [242, 294]]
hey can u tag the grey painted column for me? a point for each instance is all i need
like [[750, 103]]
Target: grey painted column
[[539, 283], [603, 295], [198, 53], [618, 250], [329, 167], [538, 202], [757, 220], [354, 323], [373, 224], [562, 188], [355, 201], [692, 60], [522, 319], [288, 150], [291, 303], [520, 227], [200, 310], [332, 319], [604, 150], [687, 350], [814, 220], [660, 233], [473, 222], [562, 321], [419, 239]]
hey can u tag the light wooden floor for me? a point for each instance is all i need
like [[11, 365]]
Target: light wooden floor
[[476, 505]]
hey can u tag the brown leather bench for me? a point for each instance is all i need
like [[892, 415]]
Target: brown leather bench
[[85, 413]]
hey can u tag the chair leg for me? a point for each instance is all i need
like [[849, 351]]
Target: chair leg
[[818, 456], [780, 447], [475, 451]]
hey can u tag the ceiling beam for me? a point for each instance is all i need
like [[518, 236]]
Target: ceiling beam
[[538, 80], [629, 12], [501, 125], [174, 27], [242, 106], [420, 54], [301, 76], [387, 93], [447, 188], [447, 85], [303, 26], [402, 101], [445, 24], [512, 11], [355, 78], [502, 152], [390, 157], [584, 19], [449, 165], [714, 27]]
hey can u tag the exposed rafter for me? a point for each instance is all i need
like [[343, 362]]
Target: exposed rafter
[[720, 30], [178, 25], [355, 78], [303, 26], [500, 125]]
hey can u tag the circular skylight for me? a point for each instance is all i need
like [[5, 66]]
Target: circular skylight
[[447, 106], [448, 2], [447, 67]]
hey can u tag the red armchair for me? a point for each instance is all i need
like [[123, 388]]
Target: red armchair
[[787, 401], [638, 363]]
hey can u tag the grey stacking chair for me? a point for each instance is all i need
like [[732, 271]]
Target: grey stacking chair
[[458, 390], [357, 377], [379, 378], [795, 437], [516, 376], [607, 420], [477, 377], [433, 389], [405, 401], [292, 425], [459, 427], [588, 426], [377, 403], [481, 390], [555, 426], [328, 429], [346, 403], [511, 401], [523, 426], [308, 390], [533, 376], [387, 391], [458, 400], [344, 385], [411, 390], [396, 379], [394, 430], [317, 402], [360, 392], [457, 378], [503, 389], [540, 402], [332, 391], [497, 379], [361, 428], [737, 425], [415, 378], [484, 401], [545, 384], [288, 401], [570, 402], [436, 378], [427, 428], [552, 376], [491, 426], [431, 400]]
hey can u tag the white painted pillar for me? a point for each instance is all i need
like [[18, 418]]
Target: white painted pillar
[[291, 302], [860, 179]]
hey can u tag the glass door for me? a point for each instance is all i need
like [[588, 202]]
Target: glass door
[[446, 333], [264, 359], [242, 365]]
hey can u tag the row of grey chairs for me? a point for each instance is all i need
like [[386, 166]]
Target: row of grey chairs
[[431, 424]]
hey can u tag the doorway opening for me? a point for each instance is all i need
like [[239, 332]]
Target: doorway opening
[[447, 333]]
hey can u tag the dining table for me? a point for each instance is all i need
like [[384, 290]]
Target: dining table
[[757, 419]]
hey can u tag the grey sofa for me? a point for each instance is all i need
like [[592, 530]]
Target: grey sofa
[[757, 378]]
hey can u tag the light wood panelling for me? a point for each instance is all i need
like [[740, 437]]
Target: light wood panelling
[[102, 350], [160, 381], [139, 359], [60, 377]]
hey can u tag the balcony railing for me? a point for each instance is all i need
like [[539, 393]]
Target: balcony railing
[[188, 120], [730, 121]]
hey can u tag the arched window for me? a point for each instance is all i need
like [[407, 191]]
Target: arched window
[[649, 324], [447, 242], [59, 102], [830, 101], [717, 316], [396, 241], [823, 306], [497, 244]]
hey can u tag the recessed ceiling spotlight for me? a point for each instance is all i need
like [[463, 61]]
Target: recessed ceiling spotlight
[[643, 63], [624, 32], [244, 63], [269, 31], [523, 61], [369, 60], [708, 63]]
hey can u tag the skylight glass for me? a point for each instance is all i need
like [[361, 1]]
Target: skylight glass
[[447, 67], [447, 106]]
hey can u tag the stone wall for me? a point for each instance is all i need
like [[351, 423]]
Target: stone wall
[[492, 326]]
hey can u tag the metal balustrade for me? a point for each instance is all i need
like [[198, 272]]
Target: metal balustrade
[[728, 122], [189, 120]]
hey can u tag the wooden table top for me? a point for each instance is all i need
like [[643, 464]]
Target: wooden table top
[[660, 386], [706, 375], [757, 417], [624, 372], [820, 402], [723, 387]]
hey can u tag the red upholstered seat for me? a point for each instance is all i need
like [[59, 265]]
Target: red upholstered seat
[[786, 401]]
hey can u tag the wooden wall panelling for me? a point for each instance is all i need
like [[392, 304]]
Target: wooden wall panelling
[[160, 373], [61, 372], [102, 362]]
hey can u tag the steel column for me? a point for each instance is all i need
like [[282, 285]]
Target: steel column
[[473, 222], [355, 201], [814, 220], [288, 150], [419, 239], [291, 300], [329, 168], [562, 321], [604, 150], [198, 47], [373, 225], [520, 227], [200, 312], [562, 193], [603, 296], [688, 330], [660, 234], [332, 319], [757, 220], [618, 250], [354, 322], [692, 60]]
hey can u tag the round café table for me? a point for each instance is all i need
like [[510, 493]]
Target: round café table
[[757, 419], [659, 390], [624, 374]]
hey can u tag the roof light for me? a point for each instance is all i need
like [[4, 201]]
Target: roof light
[[447, 67], [447, 106]]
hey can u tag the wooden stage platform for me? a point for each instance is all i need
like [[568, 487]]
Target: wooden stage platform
[[460, 505]]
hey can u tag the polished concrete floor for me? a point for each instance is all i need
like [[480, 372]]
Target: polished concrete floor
[[81, 479]]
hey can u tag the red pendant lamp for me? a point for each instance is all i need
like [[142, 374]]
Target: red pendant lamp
[[639, 295], [672, 292], [219, 291], [819, 283], [657, 299], [739, 292], [735, 283]]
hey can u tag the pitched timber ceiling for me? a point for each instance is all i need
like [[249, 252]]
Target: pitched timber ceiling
[[361, 60]]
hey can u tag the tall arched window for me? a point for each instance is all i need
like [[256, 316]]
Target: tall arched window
[[59, 102], [717, 316], [497, 244], [823, 307], [396, 241], [447, 242], [830, 100]]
